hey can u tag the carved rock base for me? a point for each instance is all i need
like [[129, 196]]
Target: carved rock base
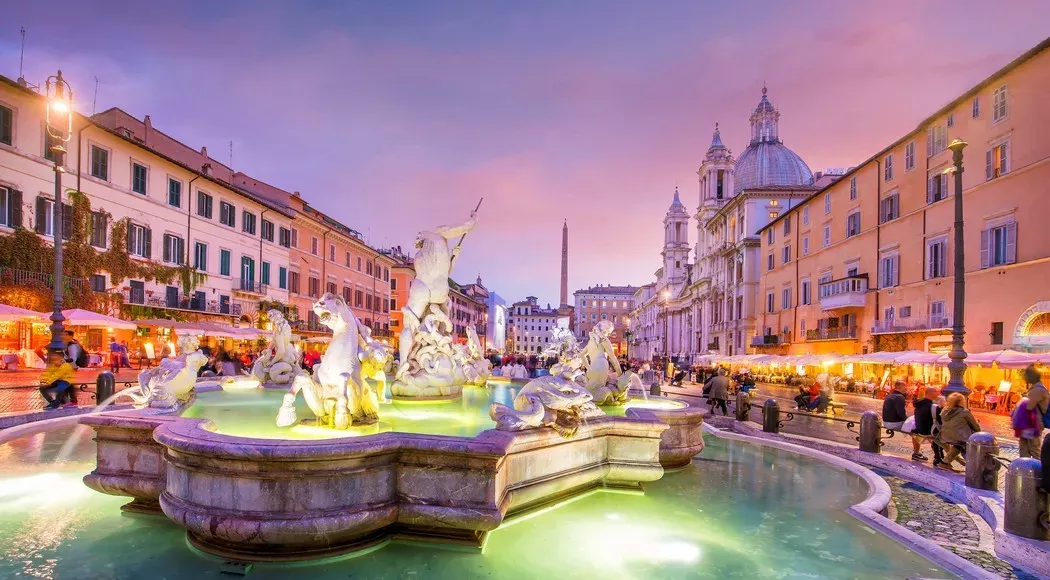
[[401, 391]]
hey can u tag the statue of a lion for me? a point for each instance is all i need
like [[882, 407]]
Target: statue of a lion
[[336, 392]]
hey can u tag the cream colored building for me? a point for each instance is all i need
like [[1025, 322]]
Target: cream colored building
[[179, 206], [866, 264]]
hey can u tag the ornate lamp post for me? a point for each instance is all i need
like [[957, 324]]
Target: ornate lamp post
[[957, 366], [666, 295], [59, 121], [627, 335]]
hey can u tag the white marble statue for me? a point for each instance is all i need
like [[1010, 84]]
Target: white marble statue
[[549, 401], [565, 348], [605, 379], [476, 368], [171, 382], [430, 366], [279, 363], [336, 392]]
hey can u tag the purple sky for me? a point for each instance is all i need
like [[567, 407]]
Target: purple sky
[[395, 116]]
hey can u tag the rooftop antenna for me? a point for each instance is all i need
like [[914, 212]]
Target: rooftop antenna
[[231, 156], [94, 99], [22, 54]]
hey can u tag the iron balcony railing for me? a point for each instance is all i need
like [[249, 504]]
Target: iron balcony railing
[[14, 277], [249, 286], [902, 325], [837, 333], [846, 292]]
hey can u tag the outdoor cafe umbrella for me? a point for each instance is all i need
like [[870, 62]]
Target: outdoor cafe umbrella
[[16, 314], [79, 317], [1006, 359]]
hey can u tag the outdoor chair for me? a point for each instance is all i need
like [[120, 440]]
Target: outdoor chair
[[10, 361]]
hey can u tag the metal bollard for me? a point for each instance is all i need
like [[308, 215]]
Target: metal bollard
[[982, 471], [1025, 508], [743, 406], [654, 390], [771, 416], [870, 432], [105, 386]]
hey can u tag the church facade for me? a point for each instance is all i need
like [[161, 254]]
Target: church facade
[[708, 304]]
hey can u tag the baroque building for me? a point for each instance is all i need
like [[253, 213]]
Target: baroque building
[[709, 305]]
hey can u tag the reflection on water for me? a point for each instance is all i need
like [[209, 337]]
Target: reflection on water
[[742, 512]]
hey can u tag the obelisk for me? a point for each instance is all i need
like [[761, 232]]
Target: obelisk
[[565, 264]]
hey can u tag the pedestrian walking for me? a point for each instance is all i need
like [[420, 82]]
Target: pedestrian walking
[[1039, 403], [114, 355], [718, 391]]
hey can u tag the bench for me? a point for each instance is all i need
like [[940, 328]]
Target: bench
[[837, 408]]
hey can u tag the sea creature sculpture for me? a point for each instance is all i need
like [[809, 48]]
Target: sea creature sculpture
[[549, 401], [604, 379], [337, 393], [278, 364], [171, 382]]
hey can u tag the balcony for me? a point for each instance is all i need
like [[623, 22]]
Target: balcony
[[13, 277], [905, 325], [246, 286], [183, 303], [771, 339], [838, 333], [844, 293]]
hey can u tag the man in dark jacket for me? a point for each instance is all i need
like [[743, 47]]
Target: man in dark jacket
[[894, 413], [718, 391], [924, 418]]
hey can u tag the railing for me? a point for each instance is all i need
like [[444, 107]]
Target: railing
[[844, 293], [13, 277], [250, 286], [771, 339], [838, 333], [183, 303], [381, 333], [898, 325]]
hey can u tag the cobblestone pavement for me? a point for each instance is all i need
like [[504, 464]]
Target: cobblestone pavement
[[948, 524], [24, 399]]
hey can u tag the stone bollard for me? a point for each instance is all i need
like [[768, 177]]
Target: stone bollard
[[982, 471], [654, 389], [743, 406], [771, 416], [105, 386], [870, 432], [1025, 507]]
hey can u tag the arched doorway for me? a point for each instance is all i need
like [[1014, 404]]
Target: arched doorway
[[1033, 326]]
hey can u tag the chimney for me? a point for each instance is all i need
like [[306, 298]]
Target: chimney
[[148, 129], [204, 153], [818, 175]]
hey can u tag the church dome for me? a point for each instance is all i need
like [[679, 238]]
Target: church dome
[[767, 161]]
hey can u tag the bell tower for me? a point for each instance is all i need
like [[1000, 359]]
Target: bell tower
[[676, 242]]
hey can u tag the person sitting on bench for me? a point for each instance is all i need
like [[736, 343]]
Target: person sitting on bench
[[57, 379]]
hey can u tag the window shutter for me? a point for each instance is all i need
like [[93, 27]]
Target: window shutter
[[127, 240], [14, 209], [894, 270], [929, 141], [1011, 243], [167, 248], [944, 185], [41, 216], [1003, 156], [988, 164], [929, 190], [882, 272], [943, 259], [929, 261], [148, 243], [985, 251]]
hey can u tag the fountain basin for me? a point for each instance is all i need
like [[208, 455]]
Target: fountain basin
[[263, 499], [684, 437]]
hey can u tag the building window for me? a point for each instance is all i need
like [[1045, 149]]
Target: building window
[[951, 120], [138, 178], [264, 273], [174, 249], [999, 104], [827, 236], [769, 261], [348, 259], [936, 140], [7, 125], [99, 231], [293, 282], [225, 257], [937, 187], [909, 156], [785, 254], [999, 245], [139, 241], [769, 302], [98, 282], [827, 203], [938, 315], [200, 256], [976, 108], [805, 215], [204, 204], [282, 278], [887, 168], [284, 237], [769, 236], [313, 246], [889, 208], [49, 145], [805, 246], [368, 268], [175, 195], [227, 214], [313, 287], [785, 298], [99, 163], [248, 222], [888, 271], [267, 230], [853, 224], [294, 238], [359, 263], [853, 187], [997, 333], [331, 252], [804, 294], [905, 312], [996, 161], [787, 225], [936, 259], [774, 215]]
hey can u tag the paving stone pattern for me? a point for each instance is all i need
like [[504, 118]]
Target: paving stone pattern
[[933, 517]]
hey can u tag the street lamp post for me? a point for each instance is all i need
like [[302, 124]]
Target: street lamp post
[[957, 366], [627, 335], [667, 333], [59, 123]]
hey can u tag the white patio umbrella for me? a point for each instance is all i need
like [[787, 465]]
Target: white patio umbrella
[[16, 314], [79, 317], [1006, 358]]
